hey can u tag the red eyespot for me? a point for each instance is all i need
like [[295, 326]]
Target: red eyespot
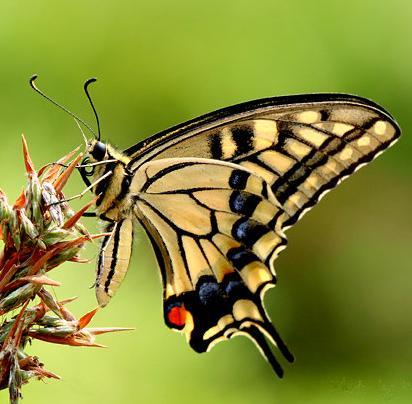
[[177, 316]]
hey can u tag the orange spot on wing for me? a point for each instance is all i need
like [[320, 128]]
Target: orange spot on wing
[[177, 316]]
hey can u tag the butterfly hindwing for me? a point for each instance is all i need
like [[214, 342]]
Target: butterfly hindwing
[[216, 234], [114, 258]]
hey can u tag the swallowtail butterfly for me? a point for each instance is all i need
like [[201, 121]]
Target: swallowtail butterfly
[[215, 196]]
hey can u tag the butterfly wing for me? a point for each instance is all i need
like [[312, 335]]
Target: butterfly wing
[[216, 230], [215, 235], [114, 258], [303, 146]]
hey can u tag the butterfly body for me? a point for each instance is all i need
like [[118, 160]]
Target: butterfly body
[[215, 196]]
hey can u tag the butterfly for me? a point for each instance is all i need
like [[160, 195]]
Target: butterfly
[[215, 196]]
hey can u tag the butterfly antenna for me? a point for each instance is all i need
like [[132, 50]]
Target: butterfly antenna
[[86, 90], [35, 88], [81, 130]]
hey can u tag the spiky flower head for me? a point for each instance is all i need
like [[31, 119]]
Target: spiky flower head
[[40, 232]]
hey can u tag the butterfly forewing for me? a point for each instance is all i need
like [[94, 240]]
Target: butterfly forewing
[[302, 146]]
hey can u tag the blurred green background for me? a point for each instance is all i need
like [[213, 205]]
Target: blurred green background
[[343, 301]]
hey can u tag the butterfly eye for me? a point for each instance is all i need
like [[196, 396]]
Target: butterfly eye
[[99, 151]]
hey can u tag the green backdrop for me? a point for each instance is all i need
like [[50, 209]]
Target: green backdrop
[[343, 300]]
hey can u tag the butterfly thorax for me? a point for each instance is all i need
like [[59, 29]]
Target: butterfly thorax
[[114, 200]]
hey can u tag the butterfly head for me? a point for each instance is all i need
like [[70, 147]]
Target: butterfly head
[[96, 152]]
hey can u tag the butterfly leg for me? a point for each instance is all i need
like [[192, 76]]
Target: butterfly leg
[[92, 185], [89, 214]]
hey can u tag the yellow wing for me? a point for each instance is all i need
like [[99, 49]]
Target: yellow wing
[[216, 230], [303, 146], [114, 258], [217, 224]]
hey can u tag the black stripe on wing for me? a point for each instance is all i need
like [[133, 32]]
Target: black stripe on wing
[[114, 256], [104, 243]]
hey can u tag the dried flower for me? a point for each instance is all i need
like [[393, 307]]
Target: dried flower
[[40, 231]]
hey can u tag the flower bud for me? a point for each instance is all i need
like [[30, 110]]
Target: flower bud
[[14, 229], [5, 231], [18, 297], [54, 235], [41, 244], [63, 256], [60, 331], [36, 199], [51, 321], [5, 330], [27, 225], [50, 302], [5, 208], [52, 203]]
